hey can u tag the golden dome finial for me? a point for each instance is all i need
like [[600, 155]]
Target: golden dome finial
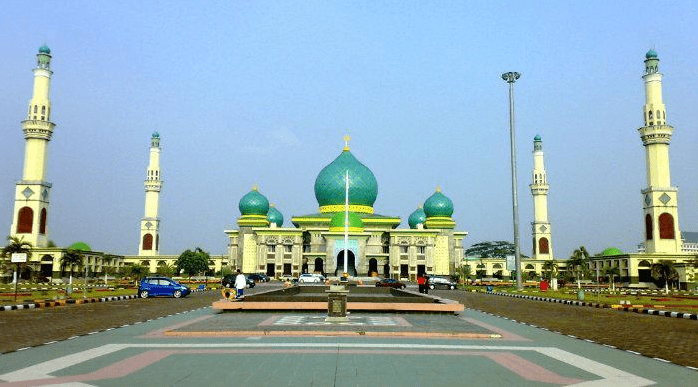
[[255, 187], [346, 142], [438, 188]]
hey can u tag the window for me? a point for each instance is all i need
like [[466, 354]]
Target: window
[[404, 249], [666, 226], [543, 246], [288, 248], [648, 227], [271, 248], [42, 222], [421, 249], [25, 218], [148, 241]]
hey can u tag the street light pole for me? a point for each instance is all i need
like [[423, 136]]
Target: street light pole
[[510, 78]]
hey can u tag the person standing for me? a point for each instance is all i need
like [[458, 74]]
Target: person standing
[[421, 281], [240, 284]]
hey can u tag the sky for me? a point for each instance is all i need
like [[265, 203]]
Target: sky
[[262, 92]]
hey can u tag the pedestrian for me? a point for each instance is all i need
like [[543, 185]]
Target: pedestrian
[[426, 284], [421, 281], [240, 284]]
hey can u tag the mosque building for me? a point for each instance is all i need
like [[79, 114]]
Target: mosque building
[[375, 245]]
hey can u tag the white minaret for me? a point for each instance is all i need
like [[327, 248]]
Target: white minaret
[[540, 227], [660, 199], [150, 225], [32, 192]]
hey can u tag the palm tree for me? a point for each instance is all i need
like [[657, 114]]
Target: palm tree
[[70, 260], [136, 271], [16, 245], [612, 272], [664, 270], [550, 270], [579, 263]]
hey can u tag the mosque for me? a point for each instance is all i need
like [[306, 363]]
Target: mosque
[[345, 191], [346, 222]]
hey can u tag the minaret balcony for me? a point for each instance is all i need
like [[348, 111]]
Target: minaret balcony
[[539, 189], [42, 130], [656, 134], [153, 185]]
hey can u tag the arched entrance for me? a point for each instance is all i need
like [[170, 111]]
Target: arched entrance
[[46, 267], [386, 270], [372, 267], [351, 263], [319, 266]]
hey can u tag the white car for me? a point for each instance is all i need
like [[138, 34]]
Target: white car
[[311, 278]]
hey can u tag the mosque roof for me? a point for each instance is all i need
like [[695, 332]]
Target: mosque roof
[[651, 54], [275, 216], [417, 217], [80, 246], [438, 204], [254, 203], [330, 182], [612, 251], [44, 49]]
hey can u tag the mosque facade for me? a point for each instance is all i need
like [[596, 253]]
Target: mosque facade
[[346, 191]]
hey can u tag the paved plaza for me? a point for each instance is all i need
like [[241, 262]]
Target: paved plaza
[[203, 346]]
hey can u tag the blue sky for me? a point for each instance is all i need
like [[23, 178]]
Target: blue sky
[[261, 92]]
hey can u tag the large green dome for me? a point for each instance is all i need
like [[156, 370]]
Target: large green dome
[[254, 203], [275, 216], [330, 184], [417, 217], [612, 251], [438, 205], [80, 246]]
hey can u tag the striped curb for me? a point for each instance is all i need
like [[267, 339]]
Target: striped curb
[[653, 312], [48, 304]]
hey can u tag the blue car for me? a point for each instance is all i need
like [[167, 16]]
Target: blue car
[[161, 286]]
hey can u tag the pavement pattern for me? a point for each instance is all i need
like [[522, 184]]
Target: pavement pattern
[[197, 345]]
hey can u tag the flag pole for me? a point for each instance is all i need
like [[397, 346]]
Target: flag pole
[[346, 221]]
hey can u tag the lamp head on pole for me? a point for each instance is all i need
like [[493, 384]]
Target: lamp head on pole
[[511, 76]]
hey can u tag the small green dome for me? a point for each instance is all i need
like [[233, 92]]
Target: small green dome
[[651, 54], [44, 49], [156, 135], [80, 246], [612, 251], [337, 221], [254, 203], [275, 216], [330, 184], [537, 138], [417, 217], [438, 205]]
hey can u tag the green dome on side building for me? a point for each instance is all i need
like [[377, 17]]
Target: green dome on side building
[[330, 185], [611, 251], [438, 204], [417, 217], [337, 222], [254, 203], [275, 216], [80, 246]]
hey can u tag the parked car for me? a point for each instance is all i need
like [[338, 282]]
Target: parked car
[[257, 277], [390, 282], [161, 286], [441, 282], [311, 278], [228, 281]]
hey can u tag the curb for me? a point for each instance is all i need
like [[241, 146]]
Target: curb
[[48, 304], [665, 313]]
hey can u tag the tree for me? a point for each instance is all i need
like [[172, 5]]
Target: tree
[[165, 270], [578, 263], [664, 270], [16, 245], [612, 272], [193, 262], [489, 249], [550, 270], [464, 272], [136, 271], [70, 260]]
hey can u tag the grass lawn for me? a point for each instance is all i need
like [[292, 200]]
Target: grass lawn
[[671, 302]]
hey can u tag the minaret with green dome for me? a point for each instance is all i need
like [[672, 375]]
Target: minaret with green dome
[[438, 209], [30, 214], [254, 208], [150, 224], [660, 199], [540, 227]]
